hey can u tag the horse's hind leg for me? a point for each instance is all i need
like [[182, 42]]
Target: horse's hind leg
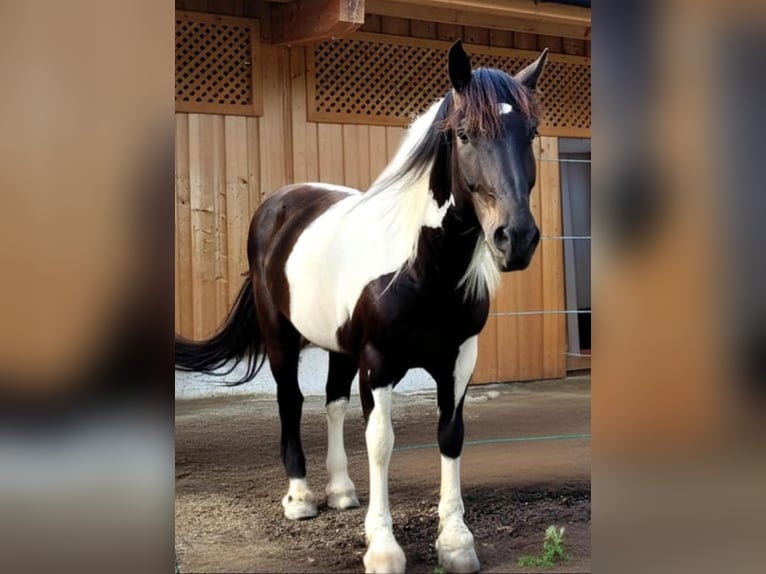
[[283, 350], [340, 490]]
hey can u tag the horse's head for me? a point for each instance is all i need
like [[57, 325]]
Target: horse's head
[[491, 124]]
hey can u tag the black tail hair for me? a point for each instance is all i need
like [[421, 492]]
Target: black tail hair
[[239, 339]]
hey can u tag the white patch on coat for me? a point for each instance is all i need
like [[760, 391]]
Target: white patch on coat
[[340, 490], [454, 544], [358, 239], [464, 365], [505, 108], [482, 275], [450, 498]]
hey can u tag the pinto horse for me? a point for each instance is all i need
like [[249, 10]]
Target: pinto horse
[[388, 280]]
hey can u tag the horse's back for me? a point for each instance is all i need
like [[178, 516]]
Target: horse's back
[[284, 214]]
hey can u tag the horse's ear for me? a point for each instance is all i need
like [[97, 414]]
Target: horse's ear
[[529, 75], [459, 66]]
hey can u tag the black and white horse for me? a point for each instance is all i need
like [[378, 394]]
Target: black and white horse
[[396, 278]]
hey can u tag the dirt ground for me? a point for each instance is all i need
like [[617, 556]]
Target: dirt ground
[[230, 481]]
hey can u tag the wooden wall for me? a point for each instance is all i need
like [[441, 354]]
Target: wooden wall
[[225, 165]]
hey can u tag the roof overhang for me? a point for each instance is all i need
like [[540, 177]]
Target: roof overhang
[[302, 21]]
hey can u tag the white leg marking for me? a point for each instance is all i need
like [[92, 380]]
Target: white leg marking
[[340, 491], [299, 501], [455, 542], [383, 552]]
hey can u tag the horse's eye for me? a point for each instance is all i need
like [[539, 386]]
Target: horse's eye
[[462, 136]]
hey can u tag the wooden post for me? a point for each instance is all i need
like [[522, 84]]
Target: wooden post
[[305, 21]]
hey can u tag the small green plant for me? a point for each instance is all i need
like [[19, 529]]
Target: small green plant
[[439, 570], [553, 550]]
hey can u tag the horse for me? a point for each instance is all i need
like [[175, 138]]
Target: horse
[[396, 278]]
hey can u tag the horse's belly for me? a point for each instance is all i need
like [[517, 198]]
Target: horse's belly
[[312, 313]]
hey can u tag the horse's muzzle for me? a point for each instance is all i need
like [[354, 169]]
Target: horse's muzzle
[[516, 246]]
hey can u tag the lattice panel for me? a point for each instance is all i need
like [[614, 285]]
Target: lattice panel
[[377, 80], [217, 64]]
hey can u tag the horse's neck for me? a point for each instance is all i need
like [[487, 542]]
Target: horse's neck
[[446, 252]]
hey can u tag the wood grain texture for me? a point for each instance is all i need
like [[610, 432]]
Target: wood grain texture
[[330, 137], [501, 38], [371, 23], [530, 298], [304, 140], [553, 43], [274, 142], [421, 29], [351, 175], [183, 227], [378, 153], [253, 163], [476, 35], [486, 363], [524, 41], [237, 202], [202, 204], [395, 26], [554, 326], [220, 232], [448, 32]]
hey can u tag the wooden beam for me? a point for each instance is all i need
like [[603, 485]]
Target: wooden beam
[[305, 21], [526, 9], [495, 15]]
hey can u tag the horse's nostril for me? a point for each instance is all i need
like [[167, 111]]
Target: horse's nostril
[[501, 237]]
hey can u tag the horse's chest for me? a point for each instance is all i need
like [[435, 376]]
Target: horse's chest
[[438, 327], [427, 326]]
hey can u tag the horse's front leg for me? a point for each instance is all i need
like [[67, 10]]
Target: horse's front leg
[[454, 544], [383, 552]]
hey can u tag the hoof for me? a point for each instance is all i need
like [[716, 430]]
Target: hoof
[[299, 508], [384, 556], [455, 549], [342, 499], [462, 561]]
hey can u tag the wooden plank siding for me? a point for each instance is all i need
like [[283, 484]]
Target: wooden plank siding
[[225, 165]]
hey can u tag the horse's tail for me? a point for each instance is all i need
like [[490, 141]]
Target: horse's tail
[[239, 339]]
